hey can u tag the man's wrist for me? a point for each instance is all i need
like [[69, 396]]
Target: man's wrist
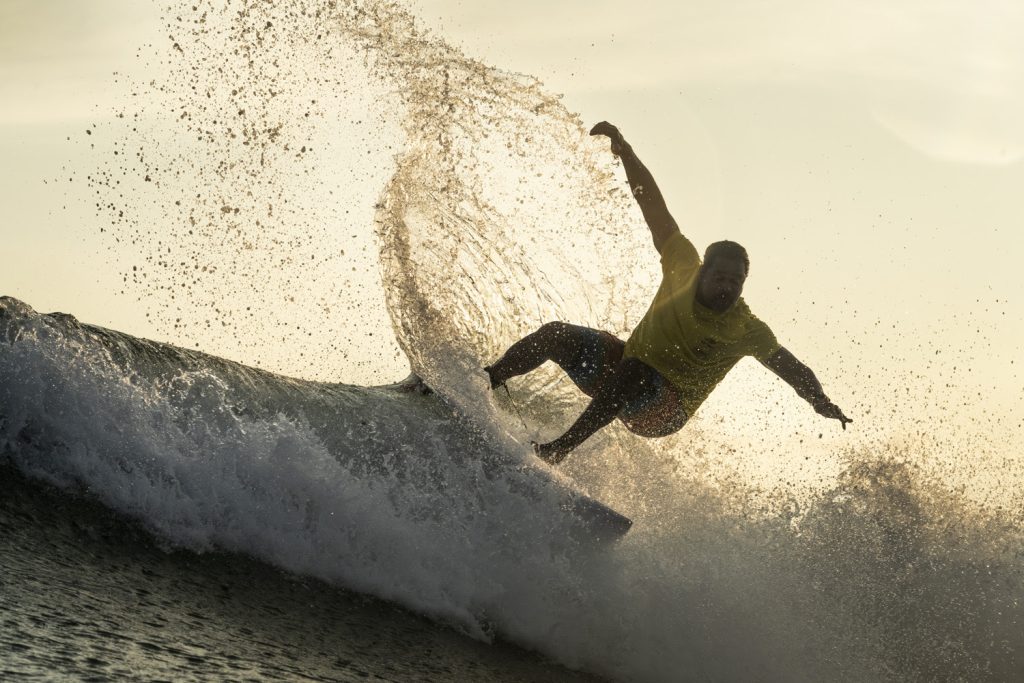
[[819, 400]]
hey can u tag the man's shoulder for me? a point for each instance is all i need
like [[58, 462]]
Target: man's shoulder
[[758, 338], [743, 313], [679, 252], [742, 310]]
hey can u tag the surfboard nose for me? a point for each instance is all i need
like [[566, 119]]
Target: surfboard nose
[[11, 307], [13, 313]]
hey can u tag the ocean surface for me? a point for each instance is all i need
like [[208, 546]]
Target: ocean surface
[[87, 594], [167, 513], [170, 514]]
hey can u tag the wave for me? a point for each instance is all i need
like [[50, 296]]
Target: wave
[[213, 454], [498, 215], [391, 493]]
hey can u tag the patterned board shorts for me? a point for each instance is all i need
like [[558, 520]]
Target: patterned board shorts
[[654, 409]]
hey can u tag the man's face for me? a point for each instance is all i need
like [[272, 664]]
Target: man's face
[[721, 283]]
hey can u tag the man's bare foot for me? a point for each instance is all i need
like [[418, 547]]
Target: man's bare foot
[[489, 369], [547, 453]]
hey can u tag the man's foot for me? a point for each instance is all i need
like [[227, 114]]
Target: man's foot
[[547, 453], [490, 376]]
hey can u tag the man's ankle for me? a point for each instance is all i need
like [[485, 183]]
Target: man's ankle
[[550, 452], [490, 375]]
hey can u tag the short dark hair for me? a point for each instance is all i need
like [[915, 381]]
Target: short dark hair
[[727, 249]]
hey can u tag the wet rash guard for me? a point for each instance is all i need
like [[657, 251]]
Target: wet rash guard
[[691, 345]]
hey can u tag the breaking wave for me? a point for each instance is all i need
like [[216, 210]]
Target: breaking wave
[[497, 215]]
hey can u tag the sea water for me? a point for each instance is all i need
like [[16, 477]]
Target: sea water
[[496, 213]]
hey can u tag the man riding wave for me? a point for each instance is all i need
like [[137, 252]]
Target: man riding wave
[[696, 329]]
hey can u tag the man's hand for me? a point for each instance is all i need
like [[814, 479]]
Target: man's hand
[[642, 185], [827, 408], [802, 379], [613, 134]]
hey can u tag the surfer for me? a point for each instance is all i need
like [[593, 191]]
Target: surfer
[[696, 329]]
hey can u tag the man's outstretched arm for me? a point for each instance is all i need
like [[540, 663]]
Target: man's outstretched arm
[[802, 379], [642, 184]]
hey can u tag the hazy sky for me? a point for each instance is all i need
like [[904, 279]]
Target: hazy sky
[[868, 154]]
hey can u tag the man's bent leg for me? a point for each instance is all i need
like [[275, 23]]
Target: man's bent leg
[[555, 341], [602, 410]]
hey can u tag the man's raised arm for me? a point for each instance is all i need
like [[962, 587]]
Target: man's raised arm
[[802, 379], [642, 184]]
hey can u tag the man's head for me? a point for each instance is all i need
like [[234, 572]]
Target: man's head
[[725, 269]]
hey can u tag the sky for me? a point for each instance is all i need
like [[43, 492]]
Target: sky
[[869, 155]]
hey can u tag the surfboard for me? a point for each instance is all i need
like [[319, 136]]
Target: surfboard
[[599, 519], [355, 424], [603, 521]]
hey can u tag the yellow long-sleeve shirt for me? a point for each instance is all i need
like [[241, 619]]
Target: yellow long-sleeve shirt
[[691, 345]]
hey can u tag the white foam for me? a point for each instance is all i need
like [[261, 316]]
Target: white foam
[[406, 507]]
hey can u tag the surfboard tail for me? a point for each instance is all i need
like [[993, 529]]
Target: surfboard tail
[[604, 523]]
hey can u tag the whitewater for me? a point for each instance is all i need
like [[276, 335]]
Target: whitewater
[[880, 571]]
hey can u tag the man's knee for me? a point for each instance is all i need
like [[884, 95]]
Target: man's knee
[[558, 335], [560, 341], [555, 330]]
